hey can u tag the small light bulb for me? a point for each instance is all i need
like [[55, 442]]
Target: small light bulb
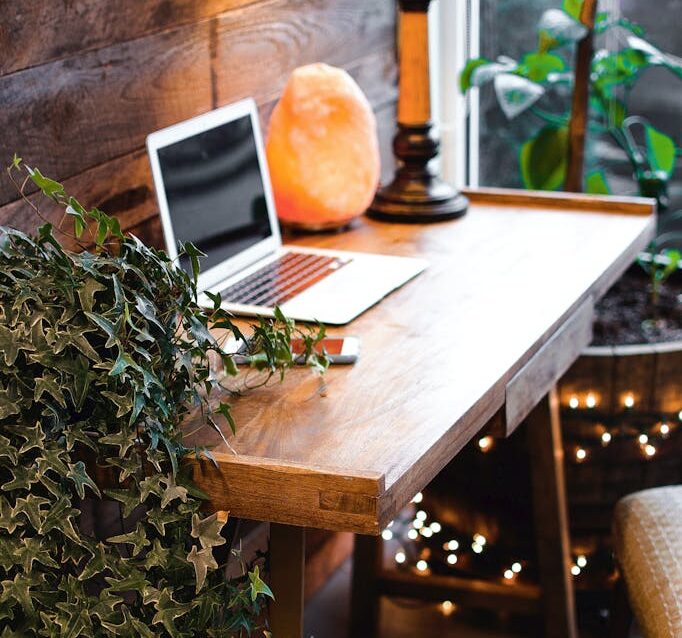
[[413, 534], [452, 559], [447, 607], [573, 402], [629, 401], [477, 548], [390, 524], [679, 415], [485, 443], [581, 454], [575, 570], [581, 561], [606, 438], [665, 429], [516, 567], [418, 497], [480, 539], [400, 557], [422, 565], [435, 527], [649, 450], [643, 439], [508, 574], [591, 400], [417, 523], [451, 545], [420, 515], [387, 534], [426, 532]]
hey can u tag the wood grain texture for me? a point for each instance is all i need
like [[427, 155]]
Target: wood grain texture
[[68, 28], [551, 519], [580, 101], [73, 114], [556, 200], [436, 357], [540, 374]]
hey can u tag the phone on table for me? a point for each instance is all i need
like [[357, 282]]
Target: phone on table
[[340, 350]]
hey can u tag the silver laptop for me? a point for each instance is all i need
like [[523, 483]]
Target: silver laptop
[[213, 189]]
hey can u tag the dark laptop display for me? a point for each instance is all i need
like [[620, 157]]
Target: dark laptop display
[[215, 193]]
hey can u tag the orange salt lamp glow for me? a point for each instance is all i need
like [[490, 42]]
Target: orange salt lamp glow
[[322, 149]]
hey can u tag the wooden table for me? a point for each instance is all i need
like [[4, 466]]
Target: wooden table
[[483, 334]]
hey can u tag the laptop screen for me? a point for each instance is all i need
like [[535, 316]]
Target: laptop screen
[[215, 193]]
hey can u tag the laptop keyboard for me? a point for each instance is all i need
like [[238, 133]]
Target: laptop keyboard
[[282, 279]]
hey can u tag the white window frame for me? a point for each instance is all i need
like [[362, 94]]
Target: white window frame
[[454, 27]]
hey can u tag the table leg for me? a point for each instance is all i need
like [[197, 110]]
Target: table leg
[[551, 518], [367, 565], [287, 570]]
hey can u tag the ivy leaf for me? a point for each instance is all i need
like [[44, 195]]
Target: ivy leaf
[[9, 345], [19, 590], [202, 560], [207, 530], [193, 253], [86, 293], [168, 610], [257, 586], [172, 491], [226, 411], [123, 402], [79, 476], [157, 517], [48, 186], [48, 384], [137, 538]]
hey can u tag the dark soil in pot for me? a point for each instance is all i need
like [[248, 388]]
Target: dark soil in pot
[[626, 315]]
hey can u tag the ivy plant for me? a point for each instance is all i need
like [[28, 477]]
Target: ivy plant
[[102, 353], [542, 78]]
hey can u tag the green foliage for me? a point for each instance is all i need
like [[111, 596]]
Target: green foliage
[[543, 159], [613, 74], [596, 184], [659, 267], [103, 354]]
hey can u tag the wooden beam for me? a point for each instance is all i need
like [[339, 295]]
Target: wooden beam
[[481, 594], [287, 570], [551, 518], [581, 96]]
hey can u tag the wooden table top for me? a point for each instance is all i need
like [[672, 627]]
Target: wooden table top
[[436, 358]]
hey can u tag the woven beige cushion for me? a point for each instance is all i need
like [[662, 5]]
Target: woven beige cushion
[[648, 537]]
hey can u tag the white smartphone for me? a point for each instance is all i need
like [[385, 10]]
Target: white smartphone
[[340, 350]]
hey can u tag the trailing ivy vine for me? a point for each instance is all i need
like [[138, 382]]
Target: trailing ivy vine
[[102, 353]]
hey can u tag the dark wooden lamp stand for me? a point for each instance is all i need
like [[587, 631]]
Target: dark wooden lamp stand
[[416, 193]]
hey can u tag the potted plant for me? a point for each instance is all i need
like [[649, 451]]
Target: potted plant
[[102, 352], [622, 400]]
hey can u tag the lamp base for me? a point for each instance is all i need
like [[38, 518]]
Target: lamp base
[[417, 201]]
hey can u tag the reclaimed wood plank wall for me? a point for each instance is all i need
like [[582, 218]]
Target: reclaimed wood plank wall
[[82, 82]]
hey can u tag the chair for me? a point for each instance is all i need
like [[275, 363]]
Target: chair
[[648, 546]]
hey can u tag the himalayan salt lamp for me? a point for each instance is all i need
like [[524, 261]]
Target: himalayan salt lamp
[[322, 149]]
